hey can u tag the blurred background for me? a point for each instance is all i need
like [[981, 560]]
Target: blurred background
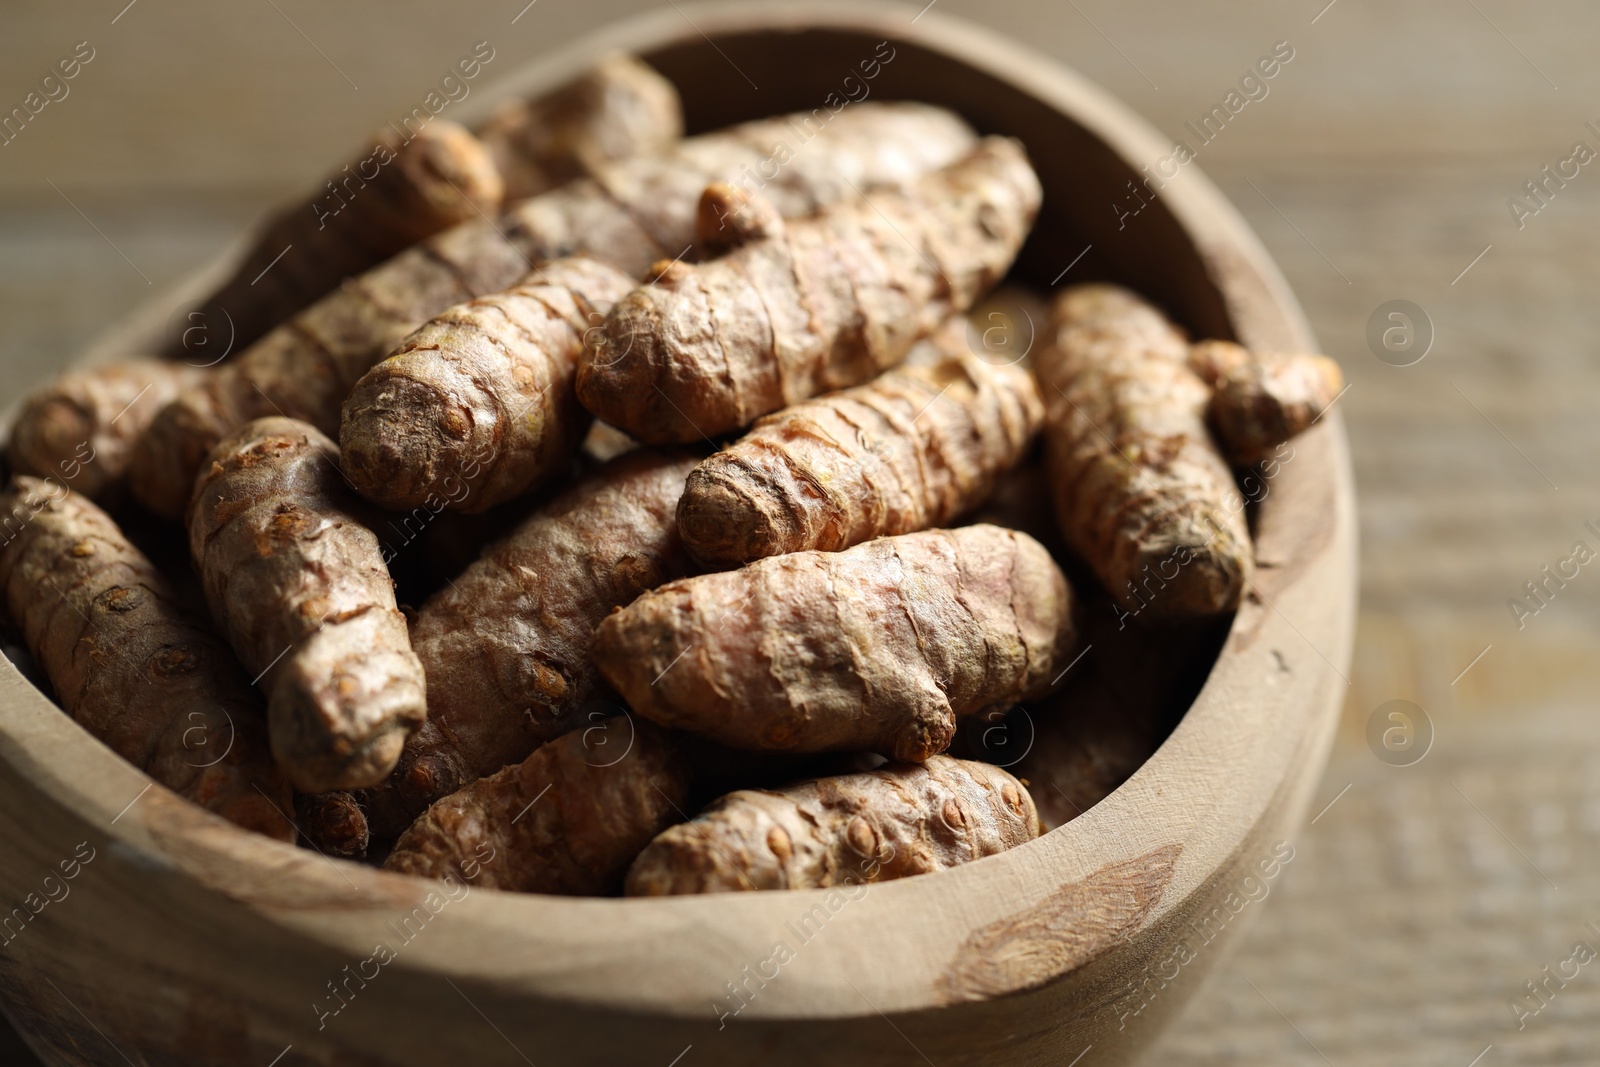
[[1384, 165]]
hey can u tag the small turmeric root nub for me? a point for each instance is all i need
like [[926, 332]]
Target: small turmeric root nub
[[333, 823], [850, 829], [1261, 400]]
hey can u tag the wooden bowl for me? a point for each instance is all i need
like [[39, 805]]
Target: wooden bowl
[[187, 941]]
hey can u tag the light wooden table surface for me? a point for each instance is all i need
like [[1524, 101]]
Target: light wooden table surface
[[1378, 168]]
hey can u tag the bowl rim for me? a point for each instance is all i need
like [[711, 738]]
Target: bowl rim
[[1242, 748]]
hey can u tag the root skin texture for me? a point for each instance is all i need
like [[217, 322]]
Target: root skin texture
[[847, 830], [1143, 494], [1261, 400], [568, 819], [81, 428], [800, 308], [879, 647], [916, 447], [477, 407], [299, 585], [129, 664], [506, 645], [628, 214]]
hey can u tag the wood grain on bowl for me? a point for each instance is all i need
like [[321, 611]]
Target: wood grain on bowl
[[188, 942], [1060, 931]]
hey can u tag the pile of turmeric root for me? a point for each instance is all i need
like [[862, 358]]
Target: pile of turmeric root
[[588, 509]]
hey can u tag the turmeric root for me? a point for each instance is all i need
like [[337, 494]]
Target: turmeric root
[[627, 215], [505, 647], [406, 185], [802, 308], [1142, 494], [477, 406], [299, 586], [568, 819], [80, 429], [333, 823], [400, 188], [852, 829], [1261, 400], [618, 109], [633, 213], [305, 368], [1214, 360], [912, 449], [127, 664], [878, 647]]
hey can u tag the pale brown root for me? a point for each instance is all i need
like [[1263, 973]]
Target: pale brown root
[[299, 585], [916, 447], [879, 647], [618, 109], [568, 819], [1262, 400], [477, 407], [1142, 493], [400, 188], [417, 179], [848, 830], [79, 430], [798, 309], [128, 663], [627, 215]]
